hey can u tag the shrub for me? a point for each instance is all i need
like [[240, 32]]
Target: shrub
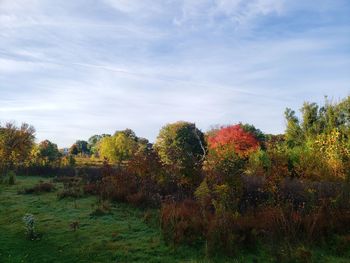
[[118, 186], [137, 199], [69, 193], [91, 189], [41, 187], [258, 164], [182, 222], [71, 188], [220, 236]]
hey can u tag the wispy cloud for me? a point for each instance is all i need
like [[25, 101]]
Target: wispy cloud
[[75, 68]]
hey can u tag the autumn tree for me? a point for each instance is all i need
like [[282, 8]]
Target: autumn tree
[[93, 142], [228, 151], [16, 144], [316, 120], [319, 142]]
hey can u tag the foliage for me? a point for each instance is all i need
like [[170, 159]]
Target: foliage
[[203, 194], [46, 153], [73, 150], [145, 162], [119, 147], [182, 222], [228, 151], [93, 142], [80, 147], [258, 164], [182, 149], [232, 139], [257, 133], [71, 189], [68, 161], [16, 144]]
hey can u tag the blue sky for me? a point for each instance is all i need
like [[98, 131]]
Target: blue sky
[[77, 68]]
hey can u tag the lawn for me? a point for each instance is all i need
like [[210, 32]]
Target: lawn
[[124, 235]]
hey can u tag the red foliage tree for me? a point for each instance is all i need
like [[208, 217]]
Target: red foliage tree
[[232, 138]]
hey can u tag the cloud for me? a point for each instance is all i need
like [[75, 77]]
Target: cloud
[[76, 68], [237, 11]]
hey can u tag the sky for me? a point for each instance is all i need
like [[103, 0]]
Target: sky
[[73, 69]]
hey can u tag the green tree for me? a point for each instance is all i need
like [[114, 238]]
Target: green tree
[[74, 149], [46, 153], [182, 146], [93, 142], [82, 147], [311, 125], [258, 134], [294, 133], [119, 147]]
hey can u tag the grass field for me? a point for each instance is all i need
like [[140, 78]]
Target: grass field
[[121, 236]]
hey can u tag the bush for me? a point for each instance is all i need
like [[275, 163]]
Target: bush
[[220, 236], [91, 189], [41, 187], [182, 222], [71, 188], [69, 193]]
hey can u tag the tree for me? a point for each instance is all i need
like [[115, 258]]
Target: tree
[[257, 133], [93, 142], [128, 133], [80, 147], [182, 147], [74, 149], [16, 144], [119, 147], [228, 151], [294, 133], [233, 140], [311, 125], [47, 154], [316, 120]]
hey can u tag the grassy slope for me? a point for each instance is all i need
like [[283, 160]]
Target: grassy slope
[[122, 236]]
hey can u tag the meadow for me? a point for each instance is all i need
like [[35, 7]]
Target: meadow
[[121, 236], [126, 234]]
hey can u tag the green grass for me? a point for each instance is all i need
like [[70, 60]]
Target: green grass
[[121, 236]]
